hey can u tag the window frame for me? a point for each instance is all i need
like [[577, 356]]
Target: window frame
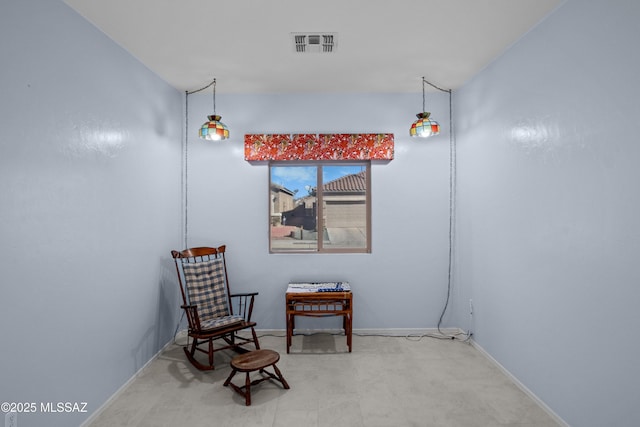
[[320, 248]]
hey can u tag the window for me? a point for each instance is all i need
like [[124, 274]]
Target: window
[[320, 207]]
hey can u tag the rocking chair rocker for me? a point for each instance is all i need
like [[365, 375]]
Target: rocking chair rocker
[[209, 305]]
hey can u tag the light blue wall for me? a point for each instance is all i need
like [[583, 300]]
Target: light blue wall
[[547, 207], [403, 282], [90, 147]]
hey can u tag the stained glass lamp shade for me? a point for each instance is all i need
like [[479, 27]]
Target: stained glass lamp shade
[[214, 129], [424, 126]]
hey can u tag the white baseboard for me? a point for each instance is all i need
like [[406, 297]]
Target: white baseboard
[[521, 386], [393, 332], [415, 332], [122, 388], [390, 332]]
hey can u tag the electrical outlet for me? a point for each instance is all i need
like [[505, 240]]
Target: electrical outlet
[[11, 419], [471, 307]]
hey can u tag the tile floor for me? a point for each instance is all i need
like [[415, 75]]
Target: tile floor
[[385, 381]]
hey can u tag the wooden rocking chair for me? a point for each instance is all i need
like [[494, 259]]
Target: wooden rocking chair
[[209, 304]]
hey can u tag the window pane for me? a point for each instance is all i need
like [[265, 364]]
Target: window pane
[[344, 203], [293, 208]]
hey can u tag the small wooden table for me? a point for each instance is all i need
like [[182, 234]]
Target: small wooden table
[[253, 361], [319, 299]]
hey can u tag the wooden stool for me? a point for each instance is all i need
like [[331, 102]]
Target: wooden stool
[[254, 361]]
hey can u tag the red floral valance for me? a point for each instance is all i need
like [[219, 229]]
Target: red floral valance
[[333, 146]]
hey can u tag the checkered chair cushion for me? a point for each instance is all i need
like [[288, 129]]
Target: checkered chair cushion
[[206, 288], [220, 322]]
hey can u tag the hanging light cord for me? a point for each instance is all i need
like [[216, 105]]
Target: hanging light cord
[[184, 166], [213, 83], [451, 207], [186, 152], [451, 194], [424, 109], [435, 87], [214, 97], [203, 88]]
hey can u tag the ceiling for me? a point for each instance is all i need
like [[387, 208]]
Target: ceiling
[[381, 45]]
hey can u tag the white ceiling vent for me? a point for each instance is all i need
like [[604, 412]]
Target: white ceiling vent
[[314, 42]]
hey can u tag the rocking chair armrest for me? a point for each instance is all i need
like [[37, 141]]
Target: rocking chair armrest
[[192, 316], [244, 294]]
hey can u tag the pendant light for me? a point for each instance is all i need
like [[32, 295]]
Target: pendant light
[[214, 129], [424, 126]]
